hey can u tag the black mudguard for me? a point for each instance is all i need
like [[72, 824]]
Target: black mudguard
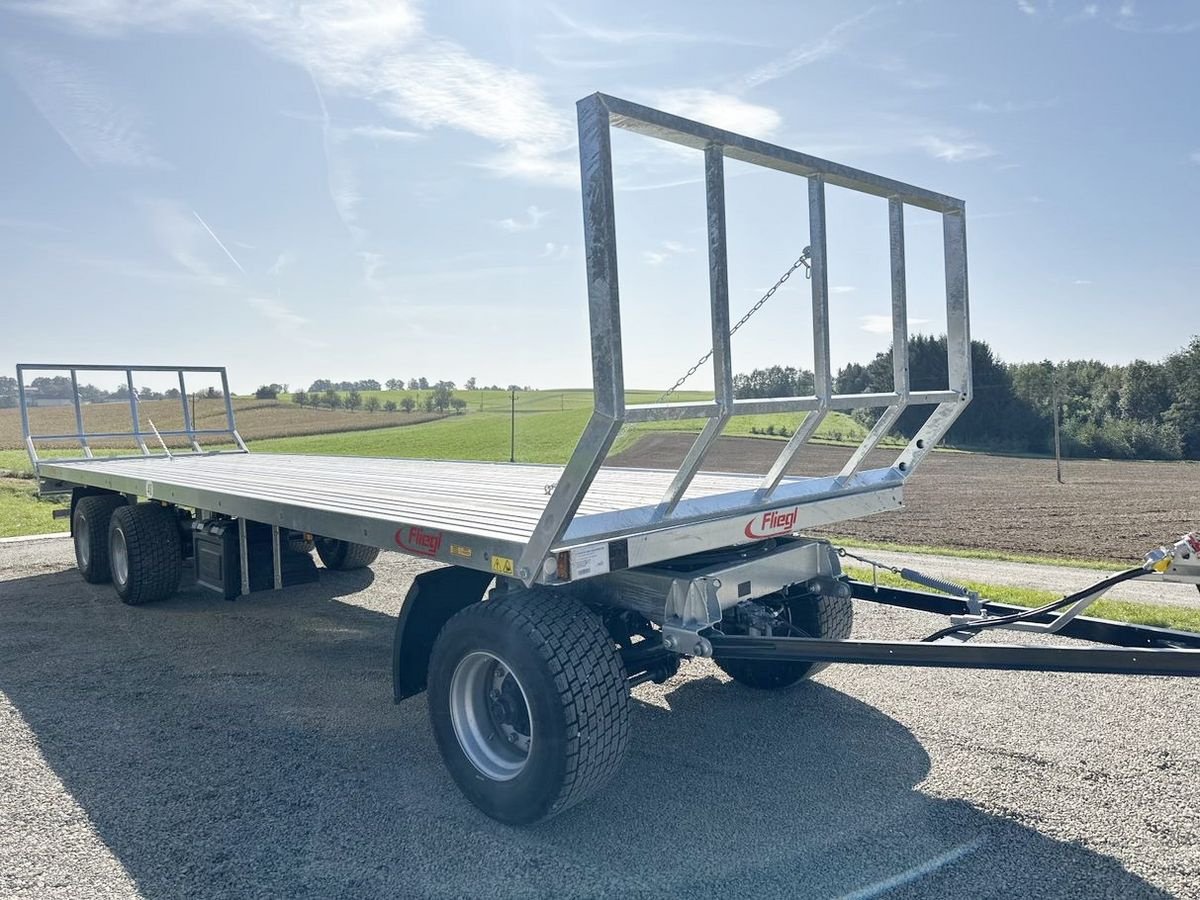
[[433, 598]]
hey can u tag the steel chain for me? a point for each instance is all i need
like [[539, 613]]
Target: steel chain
[[801, 260]]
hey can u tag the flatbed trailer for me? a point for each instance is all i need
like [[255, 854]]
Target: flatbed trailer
[[561, 587]]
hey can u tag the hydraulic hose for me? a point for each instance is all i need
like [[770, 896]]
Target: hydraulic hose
[[1099, 586]]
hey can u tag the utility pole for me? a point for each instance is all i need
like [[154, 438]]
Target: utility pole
[[1057, 441], [512, 439]]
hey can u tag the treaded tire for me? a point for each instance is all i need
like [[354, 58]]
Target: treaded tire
[[152, 551], [344, 555], [573, 682], [828, 618], [89, 533]]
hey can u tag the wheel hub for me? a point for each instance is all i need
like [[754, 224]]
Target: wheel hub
[[490, 715]]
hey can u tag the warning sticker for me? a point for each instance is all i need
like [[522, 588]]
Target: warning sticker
[[589, 561], [502, 565], [460, 550]]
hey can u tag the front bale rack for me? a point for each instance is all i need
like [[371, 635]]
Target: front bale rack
[[552, 590]]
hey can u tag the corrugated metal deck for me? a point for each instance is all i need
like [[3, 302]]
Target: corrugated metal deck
[[494, 500], [469, 512]]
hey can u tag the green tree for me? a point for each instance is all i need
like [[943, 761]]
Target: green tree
[[332, 399], [407, 404], [1146, 391], [443, 391], [353, 400], [389, 406], [371, 404], [300, 398]]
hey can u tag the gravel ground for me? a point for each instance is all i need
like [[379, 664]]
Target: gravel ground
[[1057, 579], [198, 748]]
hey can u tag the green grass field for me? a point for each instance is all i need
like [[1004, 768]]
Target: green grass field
[[1158, 615]]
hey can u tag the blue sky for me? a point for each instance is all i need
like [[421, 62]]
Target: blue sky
[[354, 189]]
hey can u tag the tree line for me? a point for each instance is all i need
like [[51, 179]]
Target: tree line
[[440, 399], [1143, 410]]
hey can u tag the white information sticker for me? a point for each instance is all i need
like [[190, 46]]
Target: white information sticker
[[589, 561]]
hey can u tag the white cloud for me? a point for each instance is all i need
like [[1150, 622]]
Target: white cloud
[[830, 43], [380, 133], [283, 261], [1027, 7], [178, 232], [843, 289], [665, 251], [99, 129], [1194, 156], [1013, 106], [376, 51], [1127, 11], [531, 222], [372, 263], [278, 312], [883, 324], [952, 150], [629, 35], [553, 251], [720, 110], [1081, 281]]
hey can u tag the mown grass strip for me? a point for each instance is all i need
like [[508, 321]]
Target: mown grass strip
[[22, 512], [1160, 616], [1099, 565]]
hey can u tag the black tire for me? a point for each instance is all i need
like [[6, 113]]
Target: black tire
[[145, 555], [829, 618], [570, 675], [89, 531], [344, 555]]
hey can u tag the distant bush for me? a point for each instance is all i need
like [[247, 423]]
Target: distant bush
[[267, 392]]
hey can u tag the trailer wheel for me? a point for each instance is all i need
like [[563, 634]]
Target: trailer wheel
[[344, 555], [828, 618], [528, 703], [89, 531], [144, 551]]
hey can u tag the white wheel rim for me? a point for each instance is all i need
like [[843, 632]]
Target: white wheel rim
[[119, 554], [83, 541], [490, 714]]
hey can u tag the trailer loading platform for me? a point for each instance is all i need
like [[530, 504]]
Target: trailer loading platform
[[564, 586]]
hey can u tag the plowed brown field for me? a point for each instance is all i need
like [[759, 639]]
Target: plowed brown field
[[1106, 509]]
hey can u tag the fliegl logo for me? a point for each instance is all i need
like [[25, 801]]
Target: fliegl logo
[[418, 540], [773, 523]]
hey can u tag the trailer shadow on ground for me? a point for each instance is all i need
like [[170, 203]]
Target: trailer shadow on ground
[[252, 749]]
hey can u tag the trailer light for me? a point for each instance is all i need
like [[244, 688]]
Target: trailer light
[[1193, 541], [564, 565]]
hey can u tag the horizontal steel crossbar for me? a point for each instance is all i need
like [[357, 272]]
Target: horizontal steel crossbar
[[955, 655], [139, 436]]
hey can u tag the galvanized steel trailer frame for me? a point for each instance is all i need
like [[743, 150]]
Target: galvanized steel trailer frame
[[520, 521], [610, 574]]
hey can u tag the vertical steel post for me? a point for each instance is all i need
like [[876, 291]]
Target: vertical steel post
[[718, 289], [899, 300], [134, 414], [276, 557], [958, 329], [187, 416], [887, 420], [87, 451], [604, 314], [23, 403], [244, 555], [822, 379]]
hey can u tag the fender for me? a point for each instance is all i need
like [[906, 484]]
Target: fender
[[433, 598]]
